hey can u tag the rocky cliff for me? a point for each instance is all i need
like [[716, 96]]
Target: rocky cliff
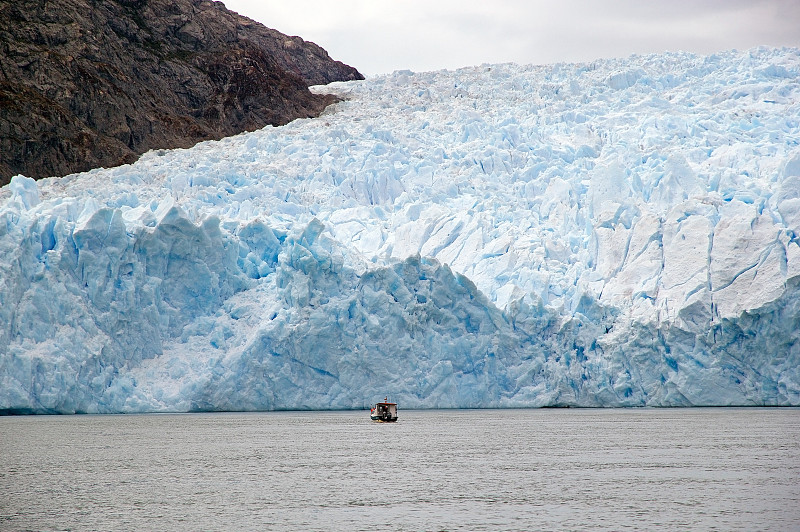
[[88, 83]]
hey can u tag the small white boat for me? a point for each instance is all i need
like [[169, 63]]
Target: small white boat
[[384, 412]]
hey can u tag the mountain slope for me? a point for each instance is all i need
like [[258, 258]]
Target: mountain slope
[[86, 84]]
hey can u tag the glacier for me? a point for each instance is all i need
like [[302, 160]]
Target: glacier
[[618, 233]]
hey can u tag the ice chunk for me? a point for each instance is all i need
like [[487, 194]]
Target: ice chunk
[[25, 190]]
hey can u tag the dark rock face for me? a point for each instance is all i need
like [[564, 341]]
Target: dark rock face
[[90, 83]]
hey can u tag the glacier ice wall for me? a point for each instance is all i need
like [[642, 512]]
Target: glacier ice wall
[[619, 233]]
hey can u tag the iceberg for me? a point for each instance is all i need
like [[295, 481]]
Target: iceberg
[[619, 233]]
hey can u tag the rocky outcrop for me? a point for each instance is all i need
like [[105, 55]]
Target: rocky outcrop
[[88, 83]]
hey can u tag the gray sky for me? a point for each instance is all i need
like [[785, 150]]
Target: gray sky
[[380, 36]]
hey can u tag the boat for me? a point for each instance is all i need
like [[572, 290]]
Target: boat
[[384, 412]]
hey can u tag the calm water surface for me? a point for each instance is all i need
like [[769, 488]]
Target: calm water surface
[[640, 469]]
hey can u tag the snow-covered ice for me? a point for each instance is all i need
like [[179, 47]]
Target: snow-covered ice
[[617, 233]]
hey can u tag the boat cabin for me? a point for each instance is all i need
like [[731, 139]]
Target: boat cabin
[[384, 412]]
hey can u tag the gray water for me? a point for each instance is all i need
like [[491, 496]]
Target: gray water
[[642, 469]]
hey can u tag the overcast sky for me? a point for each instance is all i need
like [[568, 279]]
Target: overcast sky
[[380, 36]]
